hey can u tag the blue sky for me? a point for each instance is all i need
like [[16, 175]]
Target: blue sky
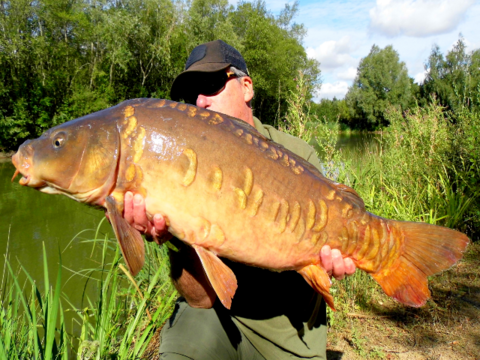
[[341, 33]]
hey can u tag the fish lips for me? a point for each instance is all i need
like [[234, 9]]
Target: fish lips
[[22, 162]]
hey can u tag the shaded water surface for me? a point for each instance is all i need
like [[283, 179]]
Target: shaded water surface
[[358, 143], [29, 218]]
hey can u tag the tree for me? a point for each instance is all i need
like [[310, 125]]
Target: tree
[[62, 59], [209, 20], [273, 51], [453, 79], [39, 56], [382, 81]]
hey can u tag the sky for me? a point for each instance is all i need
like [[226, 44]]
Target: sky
[[341, 33]]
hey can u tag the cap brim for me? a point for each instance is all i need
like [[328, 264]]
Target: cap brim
[[181, 82]]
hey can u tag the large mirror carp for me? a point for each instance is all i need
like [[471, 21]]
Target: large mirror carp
[[229, 192]]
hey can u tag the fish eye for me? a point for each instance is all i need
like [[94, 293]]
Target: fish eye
[[59, 140]]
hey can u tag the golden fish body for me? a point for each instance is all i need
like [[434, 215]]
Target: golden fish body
[[229, 192]]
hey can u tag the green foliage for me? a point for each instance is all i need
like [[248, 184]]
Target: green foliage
[[210, 20], [32, 326], [14, 129], [453, 79], [416, 173], [466, 140], [332, 110], [416, 144], [61, 59], [382, 81], [119, 323], [102, 336], [415, 176], [297, 116], [273, 51]]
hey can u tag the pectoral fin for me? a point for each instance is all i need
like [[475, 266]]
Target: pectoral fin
[[221, 277], [318, 279], [130, 240]]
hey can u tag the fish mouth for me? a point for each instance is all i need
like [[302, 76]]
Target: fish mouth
[[22, 163], [24, 180]]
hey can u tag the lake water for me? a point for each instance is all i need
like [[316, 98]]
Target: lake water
[[29, 218], [357, 143]]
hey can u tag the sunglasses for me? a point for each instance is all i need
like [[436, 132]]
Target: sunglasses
[[207, 84]]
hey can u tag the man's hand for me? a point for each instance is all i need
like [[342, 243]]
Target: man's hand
[[334, 263], [134, 212]]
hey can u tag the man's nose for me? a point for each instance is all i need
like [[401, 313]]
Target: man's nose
[[203, 101]]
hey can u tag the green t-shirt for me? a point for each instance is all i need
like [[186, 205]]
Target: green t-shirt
[[281, 315]]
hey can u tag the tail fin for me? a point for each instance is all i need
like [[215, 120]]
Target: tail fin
[[427, 250]]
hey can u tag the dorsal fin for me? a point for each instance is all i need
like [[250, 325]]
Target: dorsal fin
[[349, 194]]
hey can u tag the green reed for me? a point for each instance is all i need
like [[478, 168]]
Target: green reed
[[32, 326], [412, 174], [424, 167], [118, 323]]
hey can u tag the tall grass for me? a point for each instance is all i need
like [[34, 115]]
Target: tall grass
[[425, 167], [412, 175], [32, 326], [119, 323]]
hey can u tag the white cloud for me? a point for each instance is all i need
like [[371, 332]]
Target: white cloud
[[418, 18], [420, 77], [348, 74], [329, 90], [332, 54]]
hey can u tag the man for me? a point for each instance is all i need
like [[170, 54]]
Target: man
[[273, 315]]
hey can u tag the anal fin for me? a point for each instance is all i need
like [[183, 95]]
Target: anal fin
[[221, 277], [319, 280], [130, 240]]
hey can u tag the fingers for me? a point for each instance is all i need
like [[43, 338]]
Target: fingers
[[140, 220], [326, 258], [350, 267], [158, 230], [128, 207], [135, 213], [159, 222], [334, 263], [338, 265]]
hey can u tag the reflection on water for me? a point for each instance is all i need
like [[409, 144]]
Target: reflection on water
[[28, 218], [352, 146], [357, 143]]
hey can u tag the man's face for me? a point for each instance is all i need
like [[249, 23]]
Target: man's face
[[232, 100]]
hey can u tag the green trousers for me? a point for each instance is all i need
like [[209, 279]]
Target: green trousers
[[204, 334]]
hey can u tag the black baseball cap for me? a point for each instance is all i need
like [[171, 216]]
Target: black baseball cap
[[210, 57]]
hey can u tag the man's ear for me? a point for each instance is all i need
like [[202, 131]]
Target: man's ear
[[247, 87]]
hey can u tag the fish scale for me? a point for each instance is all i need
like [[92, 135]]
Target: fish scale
[[229, 192]]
